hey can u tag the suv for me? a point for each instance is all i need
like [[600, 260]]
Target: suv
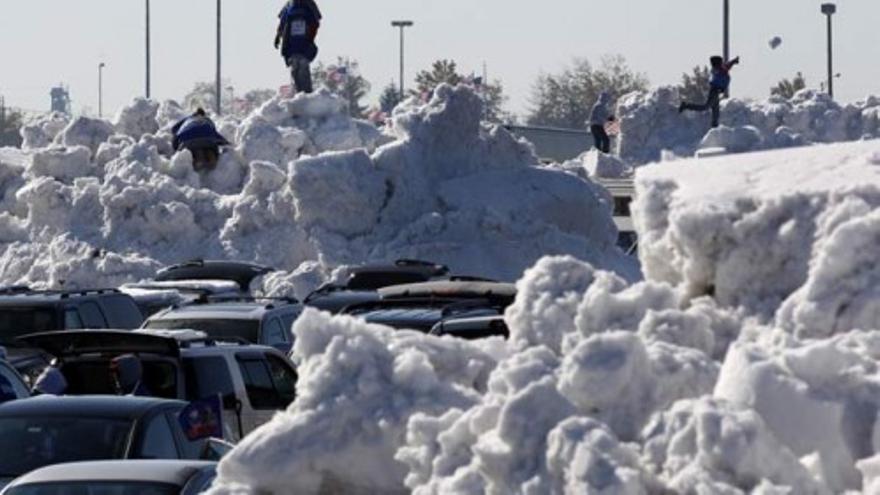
[[364, 281], [254, 381], [264, 321]]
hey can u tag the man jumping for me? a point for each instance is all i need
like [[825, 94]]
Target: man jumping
[[718, 84]]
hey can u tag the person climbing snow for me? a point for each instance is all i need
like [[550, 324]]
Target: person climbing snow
[[298, 26], [198, 134], [599, 116], [718, 84]]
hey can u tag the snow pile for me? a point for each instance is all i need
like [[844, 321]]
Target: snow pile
[[359, 385], [650, 124], [594, 165], [305, 189]]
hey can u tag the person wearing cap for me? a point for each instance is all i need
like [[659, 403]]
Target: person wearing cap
[[198, 134], [298, 26], [127, 374]]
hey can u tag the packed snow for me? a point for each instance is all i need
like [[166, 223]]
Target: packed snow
[[745, 363], [305, 189], [653, 129]]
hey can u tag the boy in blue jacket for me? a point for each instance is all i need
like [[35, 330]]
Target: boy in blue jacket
[[198, 134], [718, 84], [298, 25]]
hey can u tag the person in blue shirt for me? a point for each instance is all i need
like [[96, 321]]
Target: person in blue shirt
[[719, 82], [298, 26], [599, 116], [198, 134]]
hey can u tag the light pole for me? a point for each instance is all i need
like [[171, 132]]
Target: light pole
[[101, 89], [726, 30], [217, 85], [148, 50], [401, 25], [829, 9]]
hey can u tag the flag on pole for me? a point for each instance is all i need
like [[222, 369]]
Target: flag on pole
[[202, 419]]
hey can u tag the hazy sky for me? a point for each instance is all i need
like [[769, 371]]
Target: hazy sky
[[44, 42]]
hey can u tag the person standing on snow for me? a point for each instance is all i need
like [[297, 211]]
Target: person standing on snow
[[298, 25], [198, 134], [718, 84], [599, 116]]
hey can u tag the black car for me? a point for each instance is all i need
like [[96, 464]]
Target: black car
[[364, 281], [49, 430], [239, 272], [24, 311]]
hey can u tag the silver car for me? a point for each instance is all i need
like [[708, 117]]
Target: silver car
[[117, 478]]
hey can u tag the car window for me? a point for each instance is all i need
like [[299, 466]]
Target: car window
[[284, 379], [18, 321], [273, 333], [92, 316], [258, 383], [288, 321], [10, 384], [206, 377], [122, 312], [246, 330], [158, 440], [72, 321]]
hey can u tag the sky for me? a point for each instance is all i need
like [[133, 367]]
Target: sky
[[46, 42]]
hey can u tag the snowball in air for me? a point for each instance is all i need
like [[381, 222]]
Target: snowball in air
[[775, 42]]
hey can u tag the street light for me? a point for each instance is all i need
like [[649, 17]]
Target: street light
[[217, 85], [148, 50], [829, 9], [401, 25], [726, 30], [101, 89]]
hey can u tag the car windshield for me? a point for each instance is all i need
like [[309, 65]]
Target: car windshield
[[247, 330], [33, 442], [18, 321], [95, 488]]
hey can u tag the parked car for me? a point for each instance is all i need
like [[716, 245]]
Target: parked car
[[152, 297], [254, 381], [241, 273], [421, 314], [364, 281], [12, 386], [263, 321], [472, 328], [47, 430], [143, 477]]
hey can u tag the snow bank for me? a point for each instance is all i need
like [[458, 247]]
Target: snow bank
[[359, 385], [650, 124], [303, 184]]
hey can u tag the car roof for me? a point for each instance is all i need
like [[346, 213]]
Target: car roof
[[175, 472], [451, 289], [111, 406], [242, 273], [20, 296], [231, 310]]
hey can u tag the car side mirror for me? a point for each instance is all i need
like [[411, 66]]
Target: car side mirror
[[215, 449]]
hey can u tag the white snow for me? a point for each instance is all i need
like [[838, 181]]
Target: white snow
[[651, 124]]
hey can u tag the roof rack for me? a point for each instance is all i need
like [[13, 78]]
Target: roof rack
[[471, 278], [220, 298], [65, 294], [447, 306], [212, 341]]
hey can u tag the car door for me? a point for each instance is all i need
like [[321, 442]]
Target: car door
[[270, 386]]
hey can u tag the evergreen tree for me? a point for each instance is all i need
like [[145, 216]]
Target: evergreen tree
[[787, 88], [345, 80]]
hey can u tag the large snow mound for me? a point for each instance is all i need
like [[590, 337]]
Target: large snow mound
[[651, 124], [305, 189]]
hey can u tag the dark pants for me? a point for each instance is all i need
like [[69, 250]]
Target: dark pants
[[300, 73], [713, 103], [205, 158], [603, 142]]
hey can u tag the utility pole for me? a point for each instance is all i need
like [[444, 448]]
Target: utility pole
[[402, 25], [218, 108], [829, 9], [726, 30], [147, 93], [101, 89]]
